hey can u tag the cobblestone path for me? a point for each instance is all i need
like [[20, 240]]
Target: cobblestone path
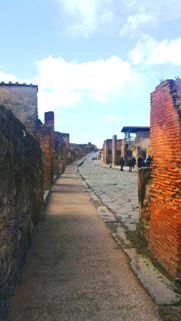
[[117, 189]]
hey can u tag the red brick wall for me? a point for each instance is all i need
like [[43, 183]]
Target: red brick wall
[[107, 151], [165, 190]]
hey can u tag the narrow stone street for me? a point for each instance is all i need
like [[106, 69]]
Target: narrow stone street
[[75, 271], [118, 190]]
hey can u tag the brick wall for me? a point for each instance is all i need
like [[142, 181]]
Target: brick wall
[[44, 136], [107, 151], [65, 156], [21, 99], [49, 119], [59, 166], [21, 198], [165, 190]]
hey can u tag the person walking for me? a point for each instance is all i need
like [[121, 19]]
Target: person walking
[[122, 163], [148, 161], [139, 162], [130, 164], [133, 162]]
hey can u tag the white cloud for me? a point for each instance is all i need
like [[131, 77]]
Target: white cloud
[[85, 17], [159, 10], [6, 77], [66, 84], [135, 23], [148, 51]]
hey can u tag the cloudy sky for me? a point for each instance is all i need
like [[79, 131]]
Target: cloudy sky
[[95, 61]]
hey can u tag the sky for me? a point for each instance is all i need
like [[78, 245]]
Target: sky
[[95, 61]]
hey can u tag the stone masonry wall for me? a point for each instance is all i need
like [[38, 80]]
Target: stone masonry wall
[[58, 153], [107, 151], [21, 99], [144, 182], [165, 189], [44, 136], [20, 199]]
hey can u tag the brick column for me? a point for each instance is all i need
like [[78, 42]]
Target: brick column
[[105, 152], [114, 150], [165, 190], [44, 137], [49, 120]]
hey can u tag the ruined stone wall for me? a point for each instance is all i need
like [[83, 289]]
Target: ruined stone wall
[[144, 182], [58, 154], [49, 119], [21, 99], [165, 189], [65, 156], [20, 199], [104, 152], [44, 136], [107, 151]]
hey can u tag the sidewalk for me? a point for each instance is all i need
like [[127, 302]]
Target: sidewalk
[[75, 271], [99, 162]]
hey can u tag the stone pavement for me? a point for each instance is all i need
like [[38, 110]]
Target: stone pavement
[[116, 195], [75, 271], [118, 190]]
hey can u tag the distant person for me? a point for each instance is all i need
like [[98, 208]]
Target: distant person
[[148, 161], [130, 164], [110, 165], [133, 162], [121, 163], [143, 161], [139, 162]]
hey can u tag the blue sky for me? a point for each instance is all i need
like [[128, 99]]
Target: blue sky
[[95, 61]]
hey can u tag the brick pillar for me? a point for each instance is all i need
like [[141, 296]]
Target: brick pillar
[[105, 152], [114, 150], [44, 137], [165, 190], [49, 120]]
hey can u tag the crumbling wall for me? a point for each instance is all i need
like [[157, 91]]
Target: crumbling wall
[[58, 153], [144, 182], [21, 100], [66, 144], [107, 151], [165, 190], [20, 199], [44, 136]]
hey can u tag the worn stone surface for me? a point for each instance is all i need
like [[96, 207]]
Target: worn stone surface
[[20, 199], [118, 190], [75, 270]]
